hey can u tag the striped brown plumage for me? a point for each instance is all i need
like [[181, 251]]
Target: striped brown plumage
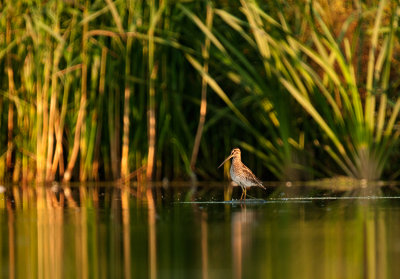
[[241, 174]]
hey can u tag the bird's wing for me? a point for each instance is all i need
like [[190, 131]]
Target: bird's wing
[[253, 178]]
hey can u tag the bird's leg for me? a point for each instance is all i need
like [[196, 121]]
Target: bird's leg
[[245, 193], [241, 197]]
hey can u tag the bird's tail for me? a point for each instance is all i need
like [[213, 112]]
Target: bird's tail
[[261, 185]]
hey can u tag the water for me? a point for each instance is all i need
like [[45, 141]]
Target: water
[[109, 231]]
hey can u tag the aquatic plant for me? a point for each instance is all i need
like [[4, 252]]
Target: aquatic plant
[[324, 72], [95, 90], [88, 87]]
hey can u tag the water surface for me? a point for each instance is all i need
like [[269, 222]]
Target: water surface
[[115, 231]]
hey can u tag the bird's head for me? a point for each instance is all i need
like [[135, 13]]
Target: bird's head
[[235, 153]]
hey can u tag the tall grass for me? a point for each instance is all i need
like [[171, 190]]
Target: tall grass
[[324, 72], [83, 84], [361, 135], [95, 90]]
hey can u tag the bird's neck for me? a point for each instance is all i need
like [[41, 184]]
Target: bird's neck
[[236, 160]]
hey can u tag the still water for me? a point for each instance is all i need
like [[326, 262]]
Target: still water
[[114, 231]]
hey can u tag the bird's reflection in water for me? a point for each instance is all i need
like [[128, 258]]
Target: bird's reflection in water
[[241, 237]]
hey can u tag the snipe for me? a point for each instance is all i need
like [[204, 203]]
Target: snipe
[[241, 174]]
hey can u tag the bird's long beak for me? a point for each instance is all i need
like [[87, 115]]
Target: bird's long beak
[[225, 160]]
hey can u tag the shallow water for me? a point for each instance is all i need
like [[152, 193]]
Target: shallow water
[[109, 231]]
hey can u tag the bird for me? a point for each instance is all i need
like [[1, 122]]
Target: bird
[[241, 174]]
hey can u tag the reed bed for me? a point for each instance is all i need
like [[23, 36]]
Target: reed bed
[[95, 90]]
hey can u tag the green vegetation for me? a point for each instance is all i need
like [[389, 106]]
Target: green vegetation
[[94, 90]]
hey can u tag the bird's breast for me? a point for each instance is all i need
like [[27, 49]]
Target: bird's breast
[[233, 174], [237, 176]]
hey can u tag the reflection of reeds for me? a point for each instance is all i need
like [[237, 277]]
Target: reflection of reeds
[[204, 246], [152, 235], [107, 232], [56, 242], [125, 195], [81, 234], [50, 234], [11, 241]]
